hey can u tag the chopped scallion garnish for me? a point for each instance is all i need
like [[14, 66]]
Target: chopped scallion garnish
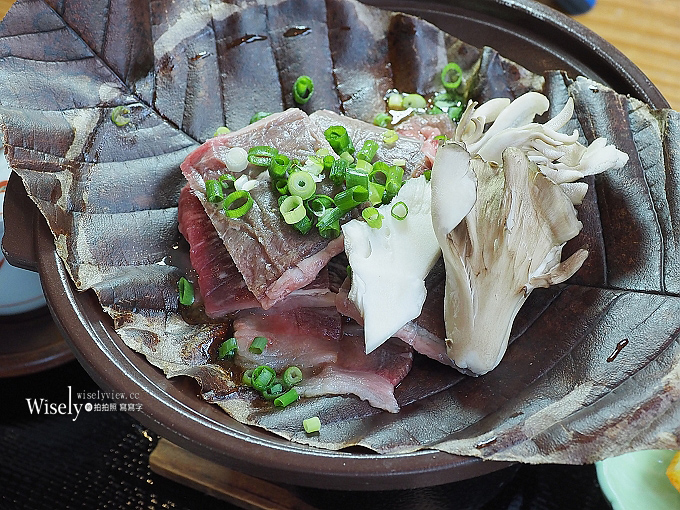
[[186, 291], [247, 377], [261, 155], [292, 209], [259, 116], [236, 159], [262, 377], [303, 89], [390, 136], [382, 120], [375, 193], [304, 225], [351, 197], [358, 175], [329, 223], [311, 425], [318, 205], [240, 210], [282, 186], [258, 345], [399, 211], [222, 130], [287, 398], [227, 349], [373, 217], [339, 140], [213, 191], [414, 101], [279, 166], [395, 101], [452, 68], [368, 150], [338, 170], [301, 184], [292, 376], [274, 390], [118, 116]]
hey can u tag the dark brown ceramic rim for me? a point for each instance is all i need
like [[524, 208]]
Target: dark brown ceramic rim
[[533, 35]]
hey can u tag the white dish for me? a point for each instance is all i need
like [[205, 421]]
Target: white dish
[[20, 290]]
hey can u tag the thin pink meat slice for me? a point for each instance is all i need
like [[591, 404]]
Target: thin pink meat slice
[[273, 258], [332, 362], [221, 285], [371, 377], [427, 128]]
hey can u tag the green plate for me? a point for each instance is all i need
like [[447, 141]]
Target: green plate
[[638, 480]]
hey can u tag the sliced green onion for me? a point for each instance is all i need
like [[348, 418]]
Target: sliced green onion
[[274, 390], [382, 120], [304, 225], [303, 88], [399, 162], [247, 377], [395, 101], [379, 173], [259, 116], [262, 377], [292, 376], [434, 110], [318, 204], [236, 159], [329, 223], [282, 186], [449, 68], [368, 150], [348, 270], [118, 116], [375, 193], [287, 398], [186, 291], [313, 165], [292, 209], [328, 162], [258, 344], [213, 191], [455, 113], [390, 136], [338, 170], [261, 155], [427, 174], [227, 349], [414, 101], [227, 181], [278, 166], [311, 425], [346, 156], [351, 197], [358, 175], [322, 153], [447, 100], [373, 217], [301, 184], [399, 211], [222, 130], [339, 139], [240, 210]]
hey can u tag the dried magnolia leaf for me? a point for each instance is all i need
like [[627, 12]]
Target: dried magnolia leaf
[[109, 194]]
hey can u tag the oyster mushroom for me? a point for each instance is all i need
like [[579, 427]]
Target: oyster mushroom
[[507, 245]]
